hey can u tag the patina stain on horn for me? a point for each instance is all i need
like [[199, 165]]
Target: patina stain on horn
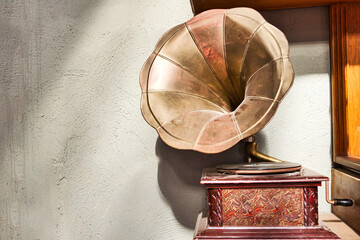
[[216, 79]]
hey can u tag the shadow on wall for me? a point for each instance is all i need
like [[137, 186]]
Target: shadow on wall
[[303, 26], [179, 174]]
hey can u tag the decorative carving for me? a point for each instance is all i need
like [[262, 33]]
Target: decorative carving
[[311, 206], [263, 207], [215, 207]]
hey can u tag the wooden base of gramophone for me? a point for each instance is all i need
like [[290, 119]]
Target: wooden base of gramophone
[[274, 206]]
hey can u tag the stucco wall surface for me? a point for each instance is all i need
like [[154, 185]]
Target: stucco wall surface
[[77, 160]]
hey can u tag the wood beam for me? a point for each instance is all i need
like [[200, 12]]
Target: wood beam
[[199, 6], [345, 65]]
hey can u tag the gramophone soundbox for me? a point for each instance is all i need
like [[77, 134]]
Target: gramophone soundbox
[[214, 81]]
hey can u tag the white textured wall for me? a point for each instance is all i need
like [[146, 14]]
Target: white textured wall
[[301, 129], [77, 161]]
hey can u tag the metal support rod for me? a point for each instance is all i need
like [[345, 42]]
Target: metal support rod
[[252, 151], [332, 202]]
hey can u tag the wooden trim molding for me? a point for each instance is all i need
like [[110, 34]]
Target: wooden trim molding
[[199, 6], [338, 63], [345, 75], [311, 206], [215, 207], [349, 162]]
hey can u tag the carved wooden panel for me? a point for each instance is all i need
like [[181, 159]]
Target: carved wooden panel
[[263, 207], [262, 200]]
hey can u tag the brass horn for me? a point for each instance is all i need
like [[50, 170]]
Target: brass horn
[[215, 80]]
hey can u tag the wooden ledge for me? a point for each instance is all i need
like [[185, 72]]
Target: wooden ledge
[[199, 6]]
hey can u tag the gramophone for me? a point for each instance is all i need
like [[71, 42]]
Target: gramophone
[[214, 81]]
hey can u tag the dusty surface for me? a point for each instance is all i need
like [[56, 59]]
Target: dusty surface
[[77, 160]]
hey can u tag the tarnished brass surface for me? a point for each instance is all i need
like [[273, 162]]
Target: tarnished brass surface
[[252, 150], [216, 79], [327, 194]]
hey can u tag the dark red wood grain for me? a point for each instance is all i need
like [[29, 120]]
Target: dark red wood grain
[[311, 206], [215, 207]]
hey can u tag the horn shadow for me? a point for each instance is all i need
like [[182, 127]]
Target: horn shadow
[[179, 173]]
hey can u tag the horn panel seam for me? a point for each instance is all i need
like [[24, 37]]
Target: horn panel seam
[[202, 19], [263, 66], [202, 131], [248, 45], [223, 142], [209, 65], [170, 135], [225, 59], [236, 125], [245, 16], [263, 116], [197, 77], [190, 94], [148, 75], [192, 111]]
